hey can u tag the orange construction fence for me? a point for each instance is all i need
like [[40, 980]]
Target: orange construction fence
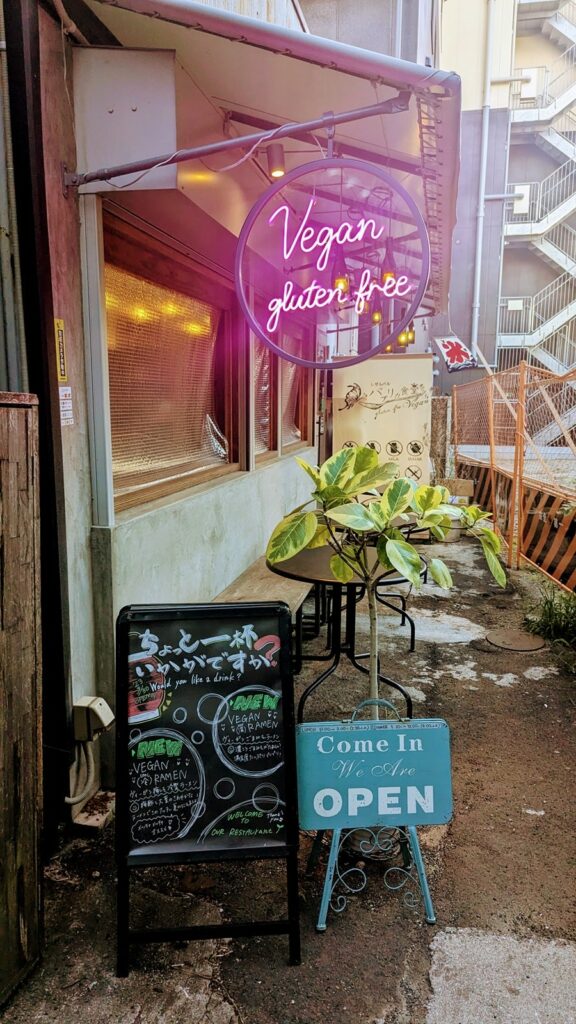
[[514, 434]]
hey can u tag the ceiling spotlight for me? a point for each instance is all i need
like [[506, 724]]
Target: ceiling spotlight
[[276, 165]]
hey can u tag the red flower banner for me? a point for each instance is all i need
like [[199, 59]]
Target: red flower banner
[[455, 353]]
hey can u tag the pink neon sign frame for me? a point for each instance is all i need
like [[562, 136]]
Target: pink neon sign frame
[[306, 240]]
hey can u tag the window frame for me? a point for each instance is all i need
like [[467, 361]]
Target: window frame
[[132, 249]]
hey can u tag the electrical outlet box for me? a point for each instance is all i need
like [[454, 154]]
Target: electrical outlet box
[[90, 716]]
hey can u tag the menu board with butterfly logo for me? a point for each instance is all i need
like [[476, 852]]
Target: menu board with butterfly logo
[[205, 736]]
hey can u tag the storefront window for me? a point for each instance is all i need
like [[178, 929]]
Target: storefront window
[[296, 395], [265, 366], [170, 373]]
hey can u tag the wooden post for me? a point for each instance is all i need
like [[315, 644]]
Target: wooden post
[[20, 690], [516, 498]]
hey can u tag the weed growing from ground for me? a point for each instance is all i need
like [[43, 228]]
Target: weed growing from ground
[[554, 618]]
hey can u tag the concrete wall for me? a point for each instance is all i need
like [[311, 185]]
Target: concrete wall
[[372, 24], [464, 242], [463, 47], [530, 163], [536, 50], [524, 272]]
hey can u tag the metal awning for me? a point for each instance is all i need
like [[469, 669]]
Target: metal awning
[[258, 76]]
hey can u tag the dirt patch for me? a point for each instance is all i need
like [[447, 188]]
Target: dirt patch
[[504, 865]]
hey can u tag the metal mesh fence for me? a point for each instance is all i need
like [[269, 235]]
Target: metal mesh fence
[[515, 432]]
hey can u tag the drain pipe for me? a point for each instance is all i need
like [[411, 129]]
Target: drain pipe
[[482, 180], [398, 29], [10, 251]]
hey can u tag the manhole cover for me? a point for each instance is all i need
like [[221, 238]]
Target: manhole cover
[[515, 640]]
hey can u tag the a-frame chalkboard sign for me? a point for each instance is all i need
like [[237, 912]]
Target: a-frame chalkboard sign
[[206, 765]]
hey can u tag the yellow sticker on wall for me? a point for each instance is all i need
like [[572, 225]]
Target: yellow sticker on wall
[[60, 351]]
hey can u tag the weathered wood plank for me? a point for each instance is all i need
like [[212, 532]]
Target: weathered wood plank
[[20, 680], [258, 583]]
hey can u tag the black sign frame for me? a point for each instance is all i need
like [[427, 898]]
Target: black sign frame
[[128, 857]]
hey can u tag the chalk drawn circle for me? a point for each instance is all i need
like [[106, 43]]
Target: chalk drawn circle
[[204, 837], [266, 793], [197, 737], [135, 735], [187, 810], [220, 784], [179, 715], [219, 711], [233, 750]]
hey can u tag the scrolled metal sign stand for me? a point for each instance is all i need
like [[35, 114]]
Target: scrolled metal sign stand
[[332, 263], [341, 770]]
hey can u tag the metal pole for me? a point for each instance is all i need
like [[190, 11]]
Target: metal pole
[[482, 182], [393, 105]]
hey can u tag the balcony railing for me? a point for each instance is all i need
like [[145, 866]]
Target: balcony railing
[[524, 314], [536, 199], [546, 83], [563, 238]]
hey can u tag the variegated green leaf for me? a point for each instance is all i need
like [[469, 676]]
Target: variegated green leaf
[[487, 536], [329, 496], [321, 538], [493, 563], [337, 469], [377, 477], [396, 498], [292, 535], [342, 572], [440, 573], [312, 471], [364, 459], [353, 515], [426, 497], [381, 552], [405, 559], [376, 515]]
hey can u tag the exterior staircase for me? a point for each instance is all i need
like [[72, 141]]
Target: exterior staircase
[[538, 206], [558, 248], [543, 105], [542, 93], [560, 27], [559, 138], [544, 324]]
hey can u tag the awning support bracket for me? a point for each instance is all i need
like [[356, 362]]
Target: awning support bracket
[[328, 121]]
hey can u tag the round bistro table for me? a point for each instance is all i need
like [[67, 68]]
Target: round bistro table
[[313, 566]]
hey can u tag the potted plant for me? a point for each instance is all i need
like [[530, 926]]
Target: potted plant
[[361, 504]]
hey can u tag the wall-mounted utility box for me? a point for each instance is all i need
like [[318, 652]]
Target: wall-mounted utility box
[[132, 105], [125, 109]]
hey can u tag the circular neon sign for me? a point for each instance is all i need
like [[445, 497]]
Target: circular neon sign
[[332, 263]]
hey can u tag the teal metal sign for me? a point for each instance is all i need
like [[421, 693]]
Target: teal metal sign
[[373, 773]]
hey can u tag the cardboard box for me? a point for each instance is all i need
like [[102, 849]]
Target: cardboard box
[[459, 487]]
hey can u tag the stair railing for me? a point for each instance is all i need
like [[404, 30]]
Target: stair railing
[[568, 11], [543, 196], [563, 238]]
